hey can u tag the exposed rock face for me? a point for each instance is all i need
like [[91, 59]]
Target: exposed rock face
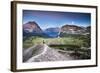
[[72, 29], [32, 27]]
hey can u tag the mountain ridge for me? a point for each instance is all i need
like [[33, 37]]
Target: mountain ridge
[[33, 29]]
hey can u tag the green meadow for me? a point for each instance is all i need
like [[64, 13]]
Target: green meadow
[[77, 44]]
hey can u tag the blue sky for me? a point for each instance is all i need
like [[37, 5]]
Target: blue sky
[[46, 19]]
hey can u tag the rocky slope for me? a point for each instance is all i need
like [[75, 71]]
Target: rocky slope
[[48, 54], [32, 27], [72, 29]]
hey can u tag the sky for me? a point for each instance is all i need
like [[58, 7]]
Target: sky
[[47, 19]]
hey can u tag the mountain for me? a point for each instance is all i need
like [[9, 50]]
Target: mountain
[[52, 32], [72, 29], [88, 29], [32, 29], [56, 29]]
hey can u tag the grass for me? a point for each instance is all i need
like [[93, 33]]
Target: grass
[[81, 41], [64, 43]]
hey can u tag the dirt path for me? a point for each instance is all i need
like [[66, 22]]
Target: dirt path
[[43, 53]]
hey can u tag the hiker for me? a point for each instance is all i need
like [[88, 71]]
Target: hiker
[[43, 42]]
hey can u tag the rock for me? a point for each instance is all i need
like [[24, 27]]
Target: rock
[[50, 54]]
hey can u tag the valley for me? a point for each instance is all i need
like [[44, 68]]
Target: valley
[[69, 39]]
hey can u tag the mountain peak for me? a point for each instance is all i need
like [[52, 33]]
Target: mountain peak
[[71, 27], [32, 26], [31, 22]]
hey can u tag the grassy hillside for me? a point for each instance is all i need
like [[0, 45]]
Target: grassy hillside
[[81, 41]]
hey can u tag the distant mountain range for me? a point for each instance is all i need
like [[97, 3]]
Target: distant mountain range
[[56, 29], [52, 32], [33, 29]]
